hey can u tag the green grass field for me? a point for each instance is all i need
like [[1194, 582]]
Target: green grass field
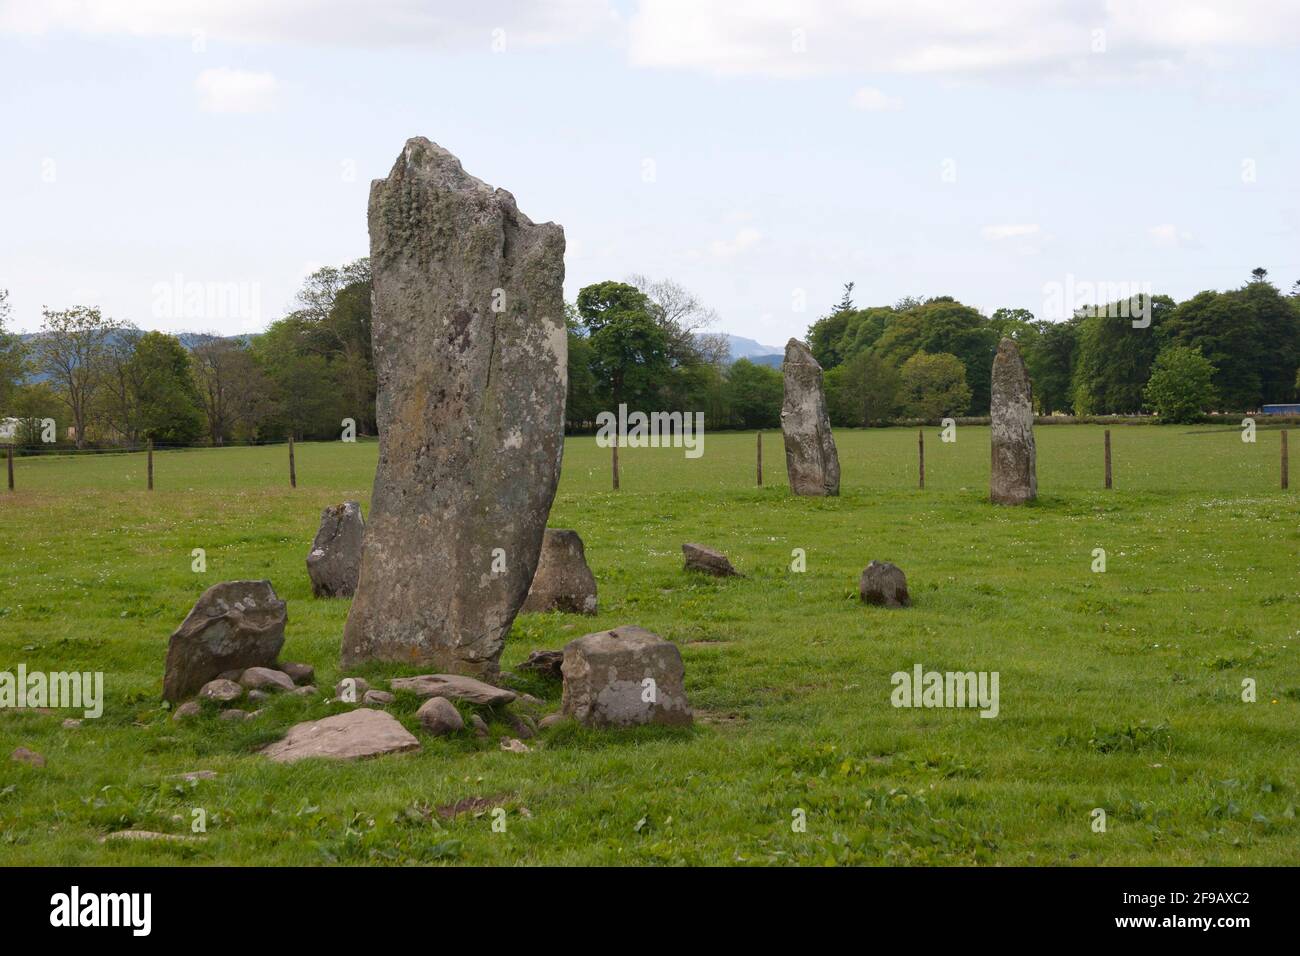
[[1120, 690]]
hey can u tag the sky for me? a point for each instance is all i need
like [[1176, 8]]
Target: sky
[[184, 164]]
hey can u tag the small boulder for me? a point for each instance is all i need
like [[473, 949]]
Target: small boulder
[[348, 736], [187, 710], [884, 585], [622, 677], [700, 558], [298, 673], [221, 690], [266, 679], [377, 698], [439, 716], [544, 664], [511, 745], [351, 690], [29, 757], [307, 690], [523, 726], [479, 724], [563, 581], [71, 723], [259, 695], [234, 713], [454, 687], [551, 720], [233, 625], [334, 562]]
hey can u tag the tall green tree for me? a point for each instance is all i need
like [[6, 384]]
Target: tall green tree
[[629, 349], [863, 391], [168, 400], [944, 325], [754, 393], [13, 357], [1114, 358], [1181, 388], [932, 386], [69, 351]]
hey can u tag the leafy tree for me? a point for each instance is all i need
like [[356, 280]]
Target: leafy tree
[[630, 350], [684, 320], [755, 393], [932, 386], [167, 398], [943, 325], [1181, 386], [1226, 329], [13, 357], [1050, 357], [69, 351], [1114, 359], [863, 391]]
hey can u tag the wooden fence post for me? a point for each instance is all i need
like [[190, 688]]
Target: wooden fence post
[[1108, 458], [293, 471], [920, 453], [150, 467], [1285, 463], [760, 459], [614, 459], [11, 466]]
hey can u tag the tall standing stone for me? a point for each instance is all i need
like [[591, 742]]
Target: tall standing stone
[[471, 358], [810, 457], [1013, 479]]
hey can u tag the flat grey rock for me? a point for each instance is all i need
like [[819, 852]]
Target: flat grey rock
[[454, 687], [350, 736]]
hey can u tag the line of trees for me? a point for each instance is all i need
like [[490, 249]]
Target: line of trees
[[106, 382], [647, 343], [1218, 351]]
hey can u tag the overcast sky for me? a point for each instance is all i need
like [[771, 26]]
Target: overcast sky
[[762, 153]]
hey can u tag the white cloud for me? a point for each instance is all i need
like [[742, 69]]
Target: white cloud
[[376, 23], [1169, 235], [744, 240], [953, 37], [872, 100], [223, 90], [1009, 231]]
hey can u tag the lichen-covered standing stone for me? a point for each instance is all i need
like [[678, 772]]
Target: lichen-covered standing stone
[[810, 458], [1013, 478], [335, 557], [471, 357], [233, 625]]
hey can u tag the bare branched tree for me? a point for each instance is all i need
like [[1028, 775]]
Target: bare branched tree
[[684, 319], [70, 350]]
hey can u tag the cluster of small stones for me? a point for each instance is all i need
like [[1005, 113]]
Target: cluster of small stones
[[251, 687]]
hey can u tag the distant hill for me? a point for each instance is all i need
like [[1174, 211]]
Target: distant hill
[[755, 351]]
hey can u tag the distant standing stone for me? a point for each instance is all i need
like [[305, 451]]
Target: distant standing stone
[[700, 558], [348, 736], [563, 581], [335, 557], [439, 716], [811, 461], [234, 625], [884, 585], [1013, 479], [622, 677]]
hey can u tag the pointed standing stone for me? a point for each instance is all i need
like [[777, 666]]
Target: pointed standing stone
[[810, 458], [335, 557], [471, 358], [1014, 476]]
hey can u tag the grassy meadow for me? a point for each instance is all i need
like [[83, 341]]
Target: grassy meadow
[[1119, 690]]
